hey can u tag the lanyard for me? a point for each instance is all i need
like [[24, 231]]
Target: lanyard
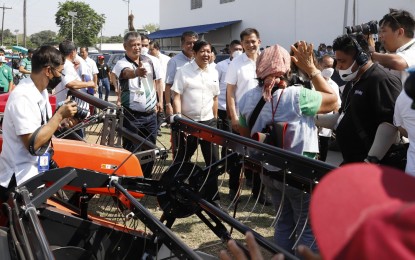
[[41, 115]]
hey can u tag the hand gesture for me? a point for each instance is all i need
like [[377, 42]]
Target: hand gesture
[[304, 57], [68, 109], [141, 71]]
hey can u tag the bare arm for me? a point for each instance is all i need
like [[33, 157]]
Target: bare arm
[[390, 61], [403, 131], [167, 96], [177, 103], [23, 70], [159, 90], [76, 84], [303, 58], [215, 107], [231, 107]]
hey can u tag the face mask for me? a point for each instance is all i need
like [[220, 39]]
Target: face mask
[[236, 54], [144, 50], [327, 73], [54, 82], [348, 75]]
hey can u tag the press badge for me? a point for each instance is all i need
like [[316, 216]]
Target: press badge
[[139, 96], [43, 162]]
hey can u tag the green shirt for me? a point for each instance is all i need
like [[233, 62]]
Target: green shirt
[[6, 77], [26, 63]]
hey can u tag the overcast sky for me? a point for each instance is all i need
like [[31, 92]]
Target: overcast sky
[[41, 14]]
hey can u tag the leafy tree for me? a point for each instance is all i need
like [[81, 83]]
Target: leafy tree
[[87, 23], [151, 27], [43, 37]]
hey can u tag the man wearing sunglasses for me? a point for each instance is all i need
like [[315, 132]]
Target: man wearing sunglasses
[[397, 37], [28, 124]]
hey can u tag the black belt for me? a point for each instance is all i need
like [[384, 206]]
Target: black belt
[[139, 113]]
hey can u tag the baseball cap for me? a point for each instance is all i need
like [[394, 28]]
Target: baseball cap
[[365, 211], [100, 57]]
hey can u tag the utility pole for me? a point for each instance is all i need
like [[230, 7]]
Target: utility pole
[[72, 14], [2, 23], [128, 10], [17, 37], [24, 23]]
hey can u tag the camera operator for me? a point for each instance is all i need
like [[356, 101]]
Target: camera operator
[[397, 36], [368, 102], [28, 124]]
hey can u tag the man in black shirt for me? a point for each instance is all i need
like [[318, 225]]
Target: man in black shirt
[[368, 99], [103, 77]]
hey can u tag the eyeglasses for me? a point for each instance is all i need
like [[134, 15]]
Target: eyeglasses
[[60, 72]]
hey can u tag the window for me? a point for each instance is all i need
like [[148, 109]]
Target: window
[[226, 1], [194, 4]]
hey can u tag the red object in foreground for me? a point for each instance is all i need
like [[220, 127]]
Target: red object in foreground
[[5, 96]]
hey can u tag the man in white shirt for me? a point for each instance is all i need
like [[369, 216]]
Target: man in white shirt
[[92, 69], [240, 78], [397, 36], [196, 90], [154, 50], [71, 78], [28, 124], [136, 74]]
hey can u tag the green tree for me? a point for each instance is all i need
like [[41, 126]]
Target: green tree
[[43, 37], [151, 27], [87, 23]]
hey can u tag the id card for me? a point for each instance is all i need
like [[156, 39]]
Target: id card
[[139, 96], [43, 162]]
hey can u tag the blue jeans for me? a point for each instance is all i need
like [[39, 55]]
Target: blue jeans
[[146, 127], [295, 209], [104, 83]]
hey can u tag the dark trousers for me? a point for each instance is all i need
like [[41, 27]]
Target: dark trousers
[[234, 172], [106, 84], [4, 192], [323, 143], [188, 146], [145, 125]]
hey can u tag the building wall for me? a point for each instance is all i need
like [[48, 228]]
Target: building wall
[[278, 21]]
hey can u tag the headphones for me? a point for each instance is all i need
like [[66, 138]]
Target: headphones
[[361, 57]]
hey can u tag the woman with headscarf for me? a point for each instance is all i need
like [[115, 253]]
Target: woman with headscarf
[[297, 106]]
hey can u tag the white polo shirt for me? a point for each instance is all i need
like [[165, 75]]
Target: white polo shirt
[[61, 90], [139, 93], [164, 59], [222, 68], [23, 115], [197, 88], [407, 52], [92, 67], [242, 73]]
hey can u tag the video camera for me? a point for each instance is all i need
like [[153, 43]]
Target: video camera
[[365, 28]]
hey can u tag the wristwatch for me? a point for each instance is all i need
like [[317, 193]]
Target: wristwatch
[[372, 159]]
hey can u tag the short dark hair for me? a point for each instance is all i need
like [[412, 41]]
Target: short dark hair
[[156, 45], [67, 47], [45, 56], [235, 42], [188, 34], [2, 50], [30, 50], [346, 44], [396, 19], [83, 47], [144, 37], [200, 44], [249, 31]]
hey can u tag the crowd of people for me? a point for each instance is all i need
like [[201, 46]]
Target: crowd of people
[[295, 87]]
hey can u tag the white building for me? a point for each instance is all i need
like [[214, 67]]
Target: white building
[[278, 21]]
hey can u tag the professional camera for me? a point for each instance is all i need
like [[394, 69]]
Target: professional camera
[[82, 108], [365, 28]]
